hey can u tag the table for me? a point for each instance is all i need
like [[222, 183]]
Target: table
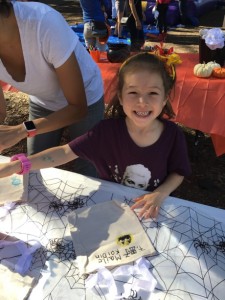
[[189, 239], [198, 103]]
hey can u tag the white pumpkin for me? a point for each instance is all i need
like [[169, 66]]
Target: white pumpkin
[[213, 64], [203, 70]]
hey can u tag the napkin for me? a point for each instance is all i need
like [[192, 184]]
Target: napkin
[[139, 273], [16, 254]]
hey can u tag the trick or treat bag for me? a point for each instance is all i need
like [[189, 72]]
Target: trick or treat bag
[[107, 235]]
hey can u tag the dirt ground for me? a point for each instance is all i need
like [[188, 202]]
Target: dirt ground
[[206, 185]]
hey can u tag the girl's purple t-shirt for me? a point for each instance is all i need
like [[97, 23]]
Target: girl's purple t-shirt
[[117, 158]]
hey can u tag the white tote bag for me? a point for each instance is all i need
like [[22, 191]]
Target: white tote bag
[[106, 235]]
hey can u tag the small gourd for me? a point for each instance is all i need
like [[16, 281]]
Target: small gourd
[[213, 64], [219, 72], [202, 70]]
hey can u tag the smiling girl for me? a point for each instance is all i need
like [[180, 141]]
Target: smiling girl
[[136, 146]]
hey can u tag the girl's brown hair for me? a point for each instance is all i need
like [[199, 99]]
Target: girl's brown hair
[[143, 61]]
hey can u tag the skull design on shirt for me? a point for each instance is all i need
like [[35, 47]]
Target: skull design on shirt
[[136, 176]]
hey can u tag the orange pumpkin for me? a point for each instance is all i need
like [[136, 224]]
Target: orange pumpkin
[[219, 72]]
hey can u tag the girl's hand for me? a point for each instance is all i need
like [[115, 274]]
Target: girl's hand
[[149, 204]]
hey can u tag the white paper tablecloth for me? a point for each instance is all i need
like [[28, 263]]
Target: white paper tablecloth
[[189, 239]]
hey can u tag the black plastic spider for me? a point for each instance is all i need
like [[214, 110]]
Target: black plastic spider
[[62, 248], [220, 245], [56, 205], [205, 247], [77, 203], [58, 245]]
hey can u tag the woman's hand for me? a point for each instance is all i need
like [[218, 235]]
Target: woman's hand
[[11, 135]]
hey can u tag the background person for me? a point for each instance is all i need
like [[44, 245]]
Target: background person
[[94, 15], [183, 13], [135, 24], [42, 56], [113, 11], [136, 147], [162, 8], [120, 9]]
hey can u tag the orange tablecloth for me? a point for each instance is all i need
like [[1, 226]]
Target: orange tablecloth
[[109, 75], [198, 103]]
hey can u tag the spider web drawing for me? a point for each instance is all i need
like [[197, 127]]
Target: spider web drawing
[[190, 246], [192, 250]]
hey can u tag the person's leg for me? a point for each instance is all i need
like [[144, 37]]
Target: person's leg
[[161, 21], [90, 41], [165, 25], [119, 25], [140, 32], [42, 141], [114, 14], [117, 14], [183, 13], [136, 35], [131, 27], [95, 114], [165, 9], [160, 18], [120, 7]]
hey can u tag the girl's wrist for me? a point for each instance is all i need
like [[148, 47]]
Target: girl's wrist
[[22, 165], [161, 195], [12, 167]]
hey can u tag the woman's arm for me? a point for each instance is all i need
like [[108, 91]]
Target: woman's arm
[[150, 203], [48, 158], [71, 82]]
